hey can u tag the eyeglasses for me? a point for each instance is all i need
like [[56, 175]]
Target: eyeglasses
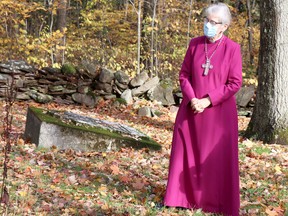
[[212, 22]]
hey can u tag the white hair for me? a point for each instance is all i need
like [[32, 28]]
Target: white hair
[[221, 10]]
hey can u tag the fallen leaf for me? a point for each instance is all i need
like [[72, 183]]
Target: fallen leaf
[[115, 169], [271, 212], [72, 179], [138, 184]]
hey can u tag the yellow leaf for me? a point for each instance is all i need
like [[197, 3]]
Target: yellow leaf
[[103, 190], [278, 169], [22, 193]]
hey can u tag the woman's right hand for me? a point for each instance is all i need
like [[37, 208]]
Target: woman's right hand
[[196, 106]]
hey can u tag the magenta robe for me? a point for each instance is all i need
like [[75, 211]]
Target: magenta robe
[[204, 170]]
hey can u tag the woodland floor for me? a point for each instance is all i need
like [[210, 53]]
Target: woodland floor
[[128, 182]]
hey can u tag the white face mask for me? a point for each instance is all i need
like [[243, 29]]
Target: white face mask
[[210, 30]]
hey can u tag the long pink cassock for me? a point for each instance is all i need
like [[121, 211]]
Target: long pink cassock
[[204, 170]]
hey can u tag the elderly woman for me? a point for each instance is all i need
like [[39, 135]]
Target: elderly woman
[[203, 170]]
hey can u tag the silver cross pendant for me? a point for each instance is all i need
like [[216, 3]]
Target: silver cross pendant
[[207, 66]]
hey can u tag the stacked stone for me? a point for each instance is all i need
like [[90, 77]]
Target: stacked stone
[[84, 87]]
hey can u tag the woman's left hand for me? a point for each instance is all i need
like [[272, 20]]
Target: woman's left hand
[[198, 105]]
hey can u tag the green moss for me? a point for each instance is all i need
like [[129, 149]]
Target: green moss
[[68, 69], [260, 150], [142, 143], [121, 101], [167, 83]]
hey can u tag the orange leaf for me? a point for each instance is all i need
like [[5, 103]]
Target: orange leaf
[[271, 212], [115, 169], [124, 178], [138, 184]]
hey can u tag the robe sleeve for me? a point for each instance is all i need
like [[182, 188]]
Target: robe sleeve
[[234, 80], [185, 77]]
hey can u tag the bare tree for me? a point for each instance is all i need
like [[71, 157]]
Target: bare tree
[[189, 21], [153, 44], [61, 25], [250, 33], [139, 13]]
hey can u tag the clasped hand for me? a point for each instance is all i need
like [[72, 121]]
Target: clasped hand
[[198, 105]]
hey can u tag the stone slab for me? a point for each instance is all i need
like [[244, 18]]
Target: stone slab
[[244, 96], [70, 130]]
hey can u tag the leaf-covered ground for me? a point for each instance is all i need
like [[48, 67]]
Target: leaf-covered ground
[[128, 182]]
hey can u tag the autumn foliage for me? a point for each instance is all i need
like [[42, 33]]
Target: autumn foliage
[[105, 33]]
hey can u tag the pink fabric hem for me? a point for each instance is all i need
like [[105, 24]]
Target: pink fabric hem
[[194, 207]]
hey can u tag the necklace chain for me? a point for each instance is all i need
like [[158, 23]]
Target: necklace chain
[[206, 49]]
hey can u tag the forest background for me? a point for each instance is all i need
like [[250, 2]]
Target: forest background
[[126, 35]]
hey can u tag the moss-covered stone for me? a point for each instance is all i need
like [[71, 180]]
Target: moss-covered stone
[[47, 117], [68, 69]]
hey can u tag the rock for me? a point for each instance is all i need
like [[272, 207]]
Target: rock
[[67, 130], [155, 113], [69, 91], [144, 111], [83, 89], [52, 70], [244, 96], [59, 82], [109, 97], [19, 83], [139, 79], [39, 97], [57, 88], [30, 82], [5, 78], [43, 89], [161, 94], [146, 86], [121, 86], [52, 78], [106, 76], [117, 90], [15, 65], [174, 109], [59, 100], [127, 96], [3, 91], [85, 99], [106, 87], [90, 67], [122, 78], [44, 81], [22, 96]]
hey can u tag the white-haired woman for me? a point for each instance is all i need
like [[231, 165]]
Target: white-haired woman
[[203, 171]]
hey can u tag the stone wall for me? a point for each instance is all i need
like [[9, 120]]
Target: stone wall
[[68, 85]]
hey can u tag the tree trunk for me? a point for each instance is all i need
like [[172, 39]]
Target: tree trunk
[[250, 34], [189, 22], [145, 49], [139, 37], [153, 41], [61, 15], [61, 25], [270, 116]]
